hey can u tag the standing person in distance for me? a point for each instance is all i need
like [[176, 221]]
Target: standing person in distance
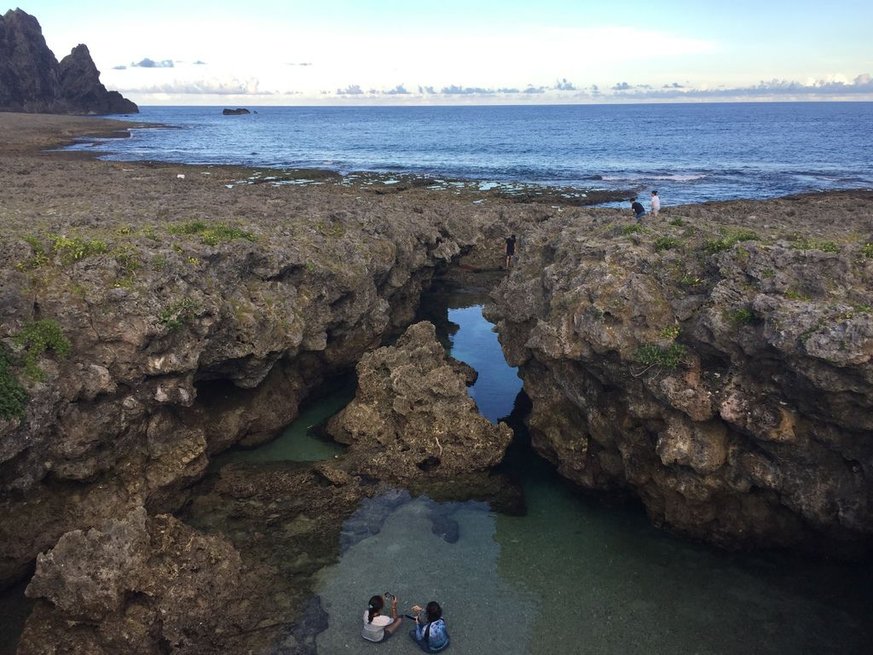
[[377, 626], [510, 250], [430, 628], [656, 203]]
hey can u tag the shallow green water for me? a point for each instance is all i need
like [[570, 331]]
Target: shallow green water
[[576, 576]]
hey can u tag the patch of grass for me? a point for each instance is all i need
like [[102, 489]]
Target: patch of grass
[[794, 294], [867, 250], [678, 221], [653, 355], [127, 258], [728, 240], [670, 332], [802, 243], [211, 234], [331, 229], [741, 316], [690, 280], [13, 397], [38, 337], [74, 249], [178, 313], [39, 257], [634, 228], [666, 243]]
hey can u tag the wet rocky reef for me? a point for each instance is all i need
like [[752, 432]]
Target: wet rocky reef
[[715, 363]]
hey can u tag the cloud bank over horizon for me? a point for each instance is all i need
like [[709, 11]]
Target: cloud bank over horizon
[[561, 90]]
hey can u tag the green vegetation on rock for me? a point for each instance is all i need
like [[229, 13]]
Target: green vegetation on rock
[[13, 397], [178, 314], [38, 337], [211, 234], [654, 355], [803, 243], [73, 249], [728, 240], [741, 316], [666, 243]]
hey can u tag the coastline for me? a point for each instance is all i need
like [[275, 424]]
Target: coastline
[[165, 316]]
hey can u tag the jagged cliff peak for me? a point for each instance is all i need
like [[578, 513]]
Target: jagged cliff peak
[[32, 80]]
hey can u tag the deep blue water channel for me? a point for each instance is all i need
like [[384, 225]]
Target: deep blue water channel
[[575, 575]]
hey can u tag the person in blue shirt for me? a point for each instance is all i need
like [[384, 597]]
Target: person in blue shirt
[[639, 210], [430, 628]]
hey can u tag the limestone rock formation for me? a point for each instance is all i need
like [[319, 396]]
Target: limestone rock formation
[[718, 363], [32, 80], [134, 583], [412, 414], [188, 330]]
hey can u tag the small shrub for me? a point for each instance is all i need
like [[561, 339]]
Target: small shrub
[[802, 243], [666, 243], [689, 280], [634, 228], [73, 249], [654, 355], [670, 332], [867, 250], [741, 316], [678, 222], [38, 337], [793, 294], [38, 258], [178, 314], [728, 240]]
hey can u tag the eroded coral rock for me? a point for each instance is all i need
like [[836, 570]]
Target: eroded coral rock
[[412, 414]]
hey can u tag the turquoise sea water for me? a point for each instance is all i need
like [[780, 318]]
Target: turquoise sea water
[[577, 576], [690, 153]]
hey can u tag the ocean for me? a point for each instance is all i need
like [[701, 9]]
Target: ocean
[[688, 152]]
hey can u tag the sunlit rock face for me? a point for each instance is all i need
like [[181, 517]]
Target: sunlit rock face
[[412, 414], [716, 363]]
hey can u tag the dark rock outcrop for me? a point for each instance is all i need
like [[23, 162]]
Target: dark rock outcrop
[[718, 364], [236, 112], [32, 80]]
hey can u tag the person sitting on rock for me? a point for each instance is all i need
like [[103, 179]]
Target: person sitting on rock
[[430, 628], [377, 626]]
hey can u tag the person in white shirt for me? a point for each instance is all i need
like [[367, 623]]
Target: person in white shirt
[[656, 203], [378, 626]]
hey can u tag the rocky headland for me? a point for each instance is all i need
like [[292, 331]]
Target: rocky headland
[[714, 362], [32, 80]]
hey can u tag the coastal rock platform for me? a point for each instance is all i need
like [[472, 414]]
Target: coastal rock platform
[[714, 362]]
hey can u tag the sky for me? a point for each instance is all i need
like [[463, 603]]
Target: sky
[[468, 52]]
